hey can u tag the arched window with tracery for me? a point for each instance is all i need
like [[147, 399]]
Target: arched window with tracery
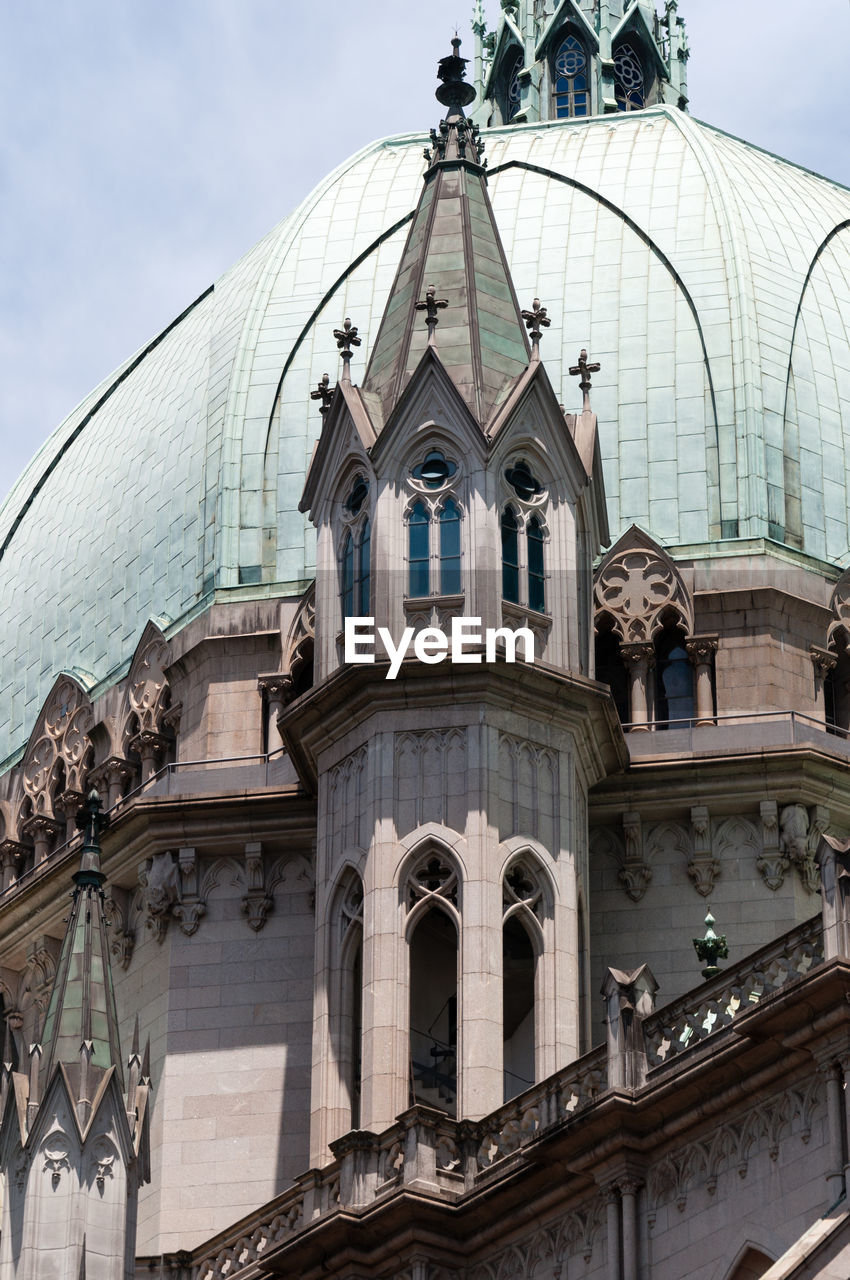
[[513, 89], [510, 555], [430, 894], [570, 79], [450, 548], [629, 86], [418, 551]]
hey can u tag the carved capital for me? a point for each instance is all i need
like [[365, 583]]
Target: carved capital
[[638, 655], [277, 689], [701, 649], [823, 661], [150, 746]]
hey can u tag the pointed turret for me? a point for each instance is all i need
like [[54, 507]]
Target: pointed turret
[[81, 1026], [70, 1117], [454, 251]]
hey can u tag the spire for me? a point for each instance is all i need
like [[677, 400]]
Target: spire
[[81, 1026], [453, 248]]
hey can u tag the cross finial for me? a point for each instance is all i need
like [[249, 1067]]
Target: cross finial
[[535, 319], [431, 306], [346, 338], [324, 392], [584, 370]]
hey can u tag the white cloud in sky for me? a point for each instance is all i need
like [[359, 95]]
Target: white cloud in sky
[[147, 146]]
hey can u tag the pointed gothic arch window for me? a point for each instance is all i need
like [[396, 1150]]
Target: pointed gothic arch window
[[513, 89], [570, 80], [449, 519], [536, 575], [610, 668], [418, 525], [364, 569], [523, 561], [434, 954], [510, 555], [629, 89]]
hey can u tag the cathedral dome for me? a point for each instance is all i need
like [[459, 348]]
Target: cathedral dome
[[708, 278]]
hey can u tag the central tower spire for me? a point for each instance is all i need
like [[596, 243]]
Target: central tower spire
[[454, 247]]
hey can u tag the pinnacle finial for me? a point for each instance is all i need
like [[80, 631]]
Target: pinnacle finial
[[454, 92], [324, 392], [584, 370], [431, 305], [710, 948], [535, 319], [346, 338], [92, 821]]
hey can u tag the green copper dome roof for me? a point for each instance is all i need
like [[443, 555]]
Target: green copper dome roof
[[709, 279]]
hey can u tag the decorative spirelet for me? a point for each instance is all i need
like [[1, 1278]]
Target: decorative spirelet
[[584, 370], [431, 305], [535, 320], [346, 338], [324, 392]]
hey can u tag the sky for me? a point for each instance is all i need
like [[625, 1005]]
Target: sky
[[148, 144]]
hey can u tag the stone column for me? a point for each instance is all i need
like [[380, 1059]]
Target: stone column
[[612, 1204], [638, 659], [701, 651], [628, 1191], [69, 804], [43, 832], [12, 854], [835, 1123], [150, 747], [276, 689]]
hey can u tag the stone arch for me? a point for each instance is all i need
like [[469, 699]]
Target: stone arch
[[148, 716], [55, 768], [299, 644], [639, 588]]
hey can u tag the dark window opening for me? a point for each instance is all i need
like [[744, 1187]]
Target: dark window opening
[[518, 965], [433, 1011], [611, 670], [674, 678], [628, 79], [510, 556], [450, 548], [536, 576]]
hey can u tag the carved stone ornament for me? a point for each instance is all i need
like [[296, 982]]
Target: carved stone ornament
[[799, 837], [637, 585], [772, 863], [823, 661], [160, 891], [635, 872], [58, 754], [703, 867], [256, 901]]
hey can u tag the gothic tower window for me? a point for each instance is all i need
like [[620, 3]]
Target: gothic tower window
[[522, 900], [569, 77], [349, 998], [418, 553], [523, 561], [430, 892], [674, 677], [536, 576], [510, 556], [628, 79], [450, 548], [513, 91], [355, 554]]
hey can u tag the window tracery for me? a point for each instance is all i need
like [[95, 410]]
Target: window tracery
[[430, 878], [513, 89], [629, 89], [569, 76]]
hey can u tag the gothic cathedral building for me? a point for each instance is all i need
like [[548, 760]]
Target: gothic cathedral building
[[424, 817]]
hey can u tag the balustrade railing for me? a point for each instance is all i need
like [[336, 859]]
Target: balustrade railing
[[716, 1004]]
